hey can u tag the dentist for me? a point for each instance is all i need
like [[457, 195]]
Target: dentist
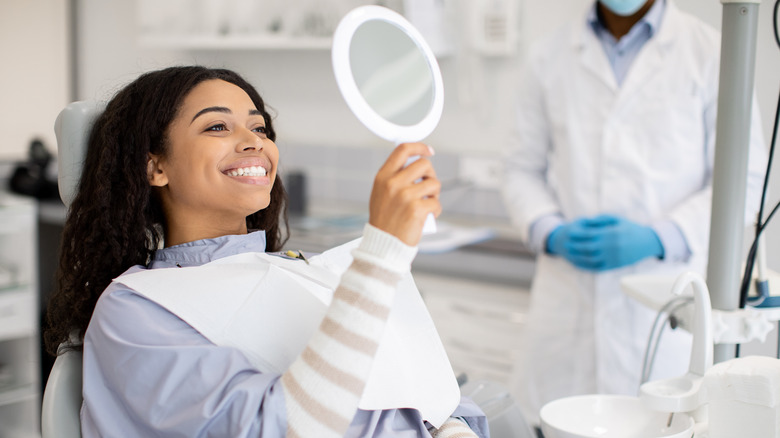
[[609, 173]]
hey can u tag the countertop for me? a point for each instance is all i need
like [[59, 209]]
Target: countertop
[[495, 255]]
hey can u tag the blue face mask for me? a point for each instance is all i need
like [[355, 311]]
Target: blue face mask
[[623, 7]]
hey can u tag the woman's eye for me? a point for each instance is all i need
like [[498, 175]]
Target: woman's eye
[[261, 130], [217, 127]]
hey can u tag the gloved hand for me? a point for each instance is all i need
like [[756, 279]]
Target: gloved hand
[[577, 241], [604, 242]]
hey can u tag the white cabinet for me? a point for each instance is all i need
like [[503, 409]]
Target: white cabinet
[[478, 322], [19, 341]]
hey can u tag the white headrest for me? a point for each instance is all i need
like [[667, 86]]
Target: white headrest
[[72, 130]]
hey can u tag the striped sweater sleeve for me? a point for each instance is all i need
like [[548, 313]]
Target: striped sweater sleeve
[[324, 384]]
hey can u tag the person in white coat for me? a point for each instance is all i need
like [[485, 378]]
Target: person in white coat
[[609, 173]]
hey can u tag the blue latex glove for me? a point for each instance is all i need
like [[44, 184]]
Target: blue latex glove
[[604, 242], [577, 241]]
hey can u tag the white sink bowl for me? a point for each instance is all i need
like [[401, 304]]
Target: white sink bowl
[[610, 416]]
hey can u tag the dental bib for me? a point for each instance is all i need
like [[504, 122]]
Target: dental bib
[[269, 307]]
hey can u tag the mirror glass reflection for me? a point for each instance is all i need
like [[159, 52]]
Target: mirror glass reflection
[[391, 72]]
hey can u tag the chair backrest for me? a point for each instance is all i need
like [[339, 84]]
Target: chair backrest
[[72, 130], [62, 397], [60, 411]]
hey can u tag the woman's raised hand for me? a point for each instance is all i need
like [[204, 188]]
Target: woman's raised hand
[[403, 196]]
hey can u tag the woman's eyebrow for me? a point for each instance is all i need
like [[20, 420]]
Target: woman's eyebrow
[[219, 109], [222, 109]]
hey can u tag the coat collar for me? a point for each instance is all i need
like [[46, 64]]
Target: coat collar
[[651, 19], [586, 43], [664, 35]]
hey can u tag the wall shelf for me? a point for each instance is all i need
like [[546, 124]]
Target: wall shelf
[[234, 42]]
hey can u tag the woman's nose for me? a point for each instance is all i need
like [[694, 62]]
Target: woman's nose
[[250, 141]]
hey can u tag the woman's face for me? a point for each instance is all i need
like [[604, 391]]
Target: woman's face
[[220, 165]]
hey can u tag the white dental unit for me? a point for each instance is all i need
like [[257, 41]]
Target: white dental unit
[[720, 396]]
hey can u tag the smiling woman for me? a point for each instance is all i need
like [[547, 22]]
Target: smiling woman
[[220, 164], [181, 169], [116, 220]]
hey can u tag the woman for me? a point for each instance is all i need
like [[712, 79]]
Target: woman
[[184, 158]]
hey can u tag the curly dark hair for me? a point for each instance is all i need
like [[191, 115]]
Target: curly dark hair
[[115, 221]]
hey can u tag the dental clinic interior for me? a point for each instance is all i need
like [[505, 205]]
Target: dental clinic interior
[[474, 273]]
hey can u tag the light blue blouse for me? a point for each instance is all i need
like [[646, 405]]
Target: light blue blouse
[[148, 373]]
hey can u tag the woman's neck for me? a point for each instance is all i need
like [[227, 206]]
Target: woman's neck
[[187, 230]]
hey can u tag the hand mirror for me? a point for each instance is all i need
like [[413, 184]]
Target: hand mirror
[[388, 76]]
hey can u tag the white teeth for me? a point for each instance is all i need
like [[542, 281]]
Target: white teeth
[[247, 171]]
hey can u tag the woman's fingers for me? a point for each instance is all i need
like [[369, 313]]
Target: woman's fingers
[[422, 189], [417, 170], [402, 153], [396, 171], [403, 195]]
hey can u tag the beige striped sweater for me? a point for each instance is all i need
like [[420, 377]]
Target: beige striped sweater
[[324, 384]]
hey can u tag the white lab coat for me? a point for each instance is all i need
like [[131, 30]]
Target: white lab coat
[[643, 150]]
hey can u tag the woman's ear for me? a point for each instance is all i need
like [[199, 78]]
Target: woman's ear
[[155, 173]]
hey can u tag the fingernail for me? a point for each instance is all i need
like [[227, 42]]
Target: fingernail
[[430, 149]]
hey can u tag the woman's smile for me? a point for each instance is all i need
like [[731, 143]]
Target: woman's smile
[[250, 171]]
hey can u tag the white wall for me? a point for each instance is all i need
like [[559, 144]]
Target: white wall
[[300, 84], [34, 73], [767, 91]]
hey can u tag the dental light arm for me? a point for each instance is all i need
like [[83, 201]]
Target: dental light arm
[[735, 96]]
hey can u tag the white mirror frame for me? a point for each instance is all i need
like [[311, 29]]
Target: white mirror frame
[[342, 69]]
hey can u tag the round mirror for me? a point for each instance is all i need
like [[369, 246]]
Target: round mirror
[[387, 74]]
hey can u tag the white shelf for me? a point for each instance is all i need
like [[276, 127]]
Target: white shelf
[[16, 394], [19, 343], [22, 434], [17, 313], [234, 42]]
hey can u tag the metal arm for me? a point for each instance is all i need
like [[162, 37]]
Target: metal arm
[[735, 98]]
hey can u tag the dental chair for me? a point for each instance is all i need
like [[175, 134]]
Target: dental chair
[[62, 397]]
